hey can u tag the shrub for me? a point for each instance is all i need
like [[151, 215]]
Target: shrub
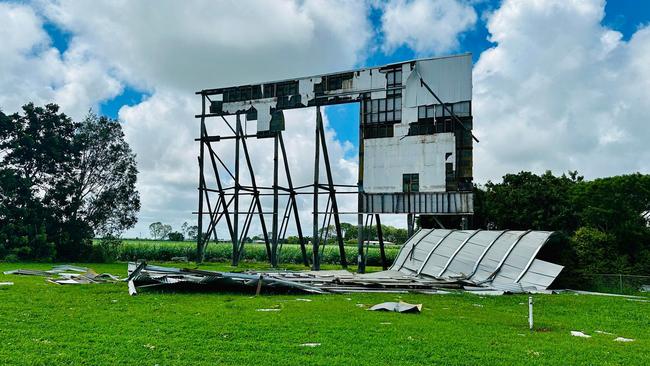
[[11, 258], [107, 250]]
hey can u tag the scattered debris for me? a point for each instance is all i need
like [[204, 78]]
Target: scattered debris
[[6, 283], [478, 305], [645, 288], [272, 309], [305, 300], [400, 307], [68, 275], [576, 333], [385, 323], [179, 259], [621, 339], [310, 344]]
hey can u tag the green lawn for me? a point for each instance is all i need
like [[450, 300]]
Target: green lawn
[[46, 324]]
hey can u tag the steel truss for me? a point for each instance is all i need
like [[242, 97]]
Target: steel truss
[[227, 205]]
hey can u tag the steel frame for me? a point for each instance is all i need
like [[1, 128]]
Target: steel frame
[[227, 200], [227, 205]]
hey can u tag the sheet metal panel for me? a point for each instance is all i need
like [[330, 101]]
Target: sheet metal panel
[[424, 203], [494, 255], [464, 261], [541, 274], [508, 263]]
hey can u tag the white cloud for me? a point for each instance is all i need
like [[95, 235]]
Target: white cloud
[[167, 156], [32, 70], [199, 44], [560, 91], [426, 26], [180, 48]]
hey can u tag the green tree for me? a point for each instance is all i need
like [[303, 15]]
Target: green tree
[[528, 201], [63, 182], [175, 236], [104, 177], [37, 153]]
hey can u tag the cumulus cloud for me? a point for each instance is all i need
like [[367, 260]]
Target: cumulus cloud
[[426, 26], [31, 69], [560, 91], [181, 47], [200, 44], [168, 159]]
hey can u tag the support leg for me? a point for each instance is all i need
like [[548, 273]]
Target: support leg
[[380, 237]]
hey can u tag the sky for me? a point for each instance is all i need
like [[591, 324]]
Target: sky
[[558, 85]]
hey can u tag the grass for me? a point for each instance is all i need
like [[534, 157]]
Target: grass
[[45, 324]]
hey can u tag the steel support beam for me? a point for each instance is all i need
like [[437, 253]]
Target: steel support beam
[[235, 237], [332, 190], [256, 196], [294, 204], [275, 236], [315, 244], [199, 236], [380, 237]]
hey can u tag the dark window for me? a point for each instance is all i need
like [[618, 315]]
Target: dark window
[[378, 130], [387, 110], [411, 182], [394, 78]]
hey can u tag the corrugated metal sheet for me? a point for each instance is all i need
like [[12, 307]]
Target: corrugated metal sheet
[[496, 258]]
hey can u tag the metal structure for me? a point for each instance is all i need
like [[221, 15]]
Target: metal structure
[[500, 259], [415, 152]]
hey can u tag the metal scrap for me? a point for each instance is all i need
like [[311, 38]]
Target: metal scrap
[[68, 275], [400, 307], [143, 275]]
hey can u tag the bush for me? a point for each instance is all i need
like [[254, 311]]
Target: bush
[[175, 236], [11, 258], [107, 250]]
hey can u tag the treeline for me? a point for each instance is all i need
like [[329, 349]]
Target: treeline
[[62, 183], [600, 223]]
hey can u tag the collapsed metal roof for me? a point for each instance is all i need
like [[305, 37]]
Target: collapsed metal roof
[[490, 262], [488, 258]]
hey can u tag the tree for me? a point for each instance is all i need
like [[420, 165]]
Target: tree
[[105, 175], [63, 182], [175, 236], [192, 232], [37, 154], [528, 201], [159, 231]]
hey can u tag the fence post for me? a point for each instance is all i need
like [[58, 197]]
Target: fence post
[[620, 282]]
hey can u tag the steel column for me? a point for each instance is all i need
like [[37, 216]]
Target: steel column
[[294, 204], [235, 241], [315, 257], [380, 237], [330, 182], [256, 195], [199, 236], [274, 240]]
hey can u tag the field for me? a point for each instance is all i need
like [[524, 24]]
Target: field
[[45, 324], [162, 250]]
